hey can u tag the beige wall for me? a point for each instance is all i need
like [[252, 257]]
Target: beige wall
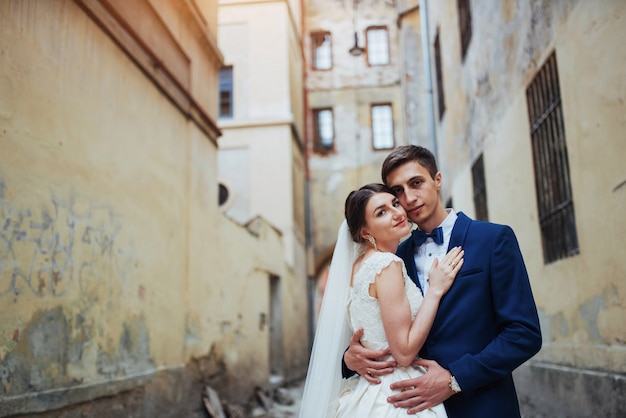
[[581, 298], [117, 269], [261, 156], [241, 327]]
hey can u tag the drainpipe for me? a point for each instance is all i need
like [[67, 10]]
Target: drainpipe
[[310, 272], [427, 71]]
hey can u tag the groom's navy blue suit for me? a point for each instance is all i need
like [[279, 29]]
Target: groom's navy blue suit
[[487, 324]]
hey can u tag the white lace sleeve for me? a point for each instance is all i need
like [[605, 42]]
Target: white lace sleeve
[[374, 265], [365, 309]]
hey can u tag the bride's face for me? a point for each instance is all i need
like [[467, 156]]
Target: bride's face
[[385, 220]]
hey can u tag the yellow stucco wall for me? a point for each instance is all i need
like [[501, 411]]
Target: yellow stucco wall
[[93, 196], [115, 261]]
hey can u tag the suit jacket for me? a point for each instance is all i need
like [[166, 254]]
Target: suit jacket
[[487, 324]]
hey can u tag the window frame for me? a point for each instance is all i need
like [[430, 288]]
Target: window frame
[[479, 186], [318, 144], [555, 203], [374, 128], [314, 37], [464, 9], [441, 100], [368, 47], [229, 84]]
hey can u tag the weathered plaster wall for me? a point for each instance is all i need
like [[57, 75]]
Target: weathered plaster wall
[[268, 180], [261, 41], [92, 202], [118, 274], [241, 327], [581, 298]]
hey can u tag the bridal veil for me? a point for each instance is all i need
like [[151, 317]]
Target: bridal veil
[[324, 381]]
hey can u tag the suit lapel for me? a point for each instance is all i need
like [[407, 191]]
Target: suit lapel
[[459, 231]]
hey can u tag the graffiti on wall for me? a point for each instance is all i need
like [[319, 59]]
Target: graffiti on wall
[[57, 244]]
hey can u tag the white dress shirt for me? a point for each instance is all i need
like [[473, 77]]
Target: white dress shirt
[[428, 251]]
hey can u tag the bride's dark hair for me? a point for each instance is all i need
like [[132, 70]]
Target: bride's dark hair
[[355, 207]]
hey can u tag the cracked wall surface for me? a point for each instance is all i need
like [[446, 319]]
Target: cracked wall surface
[[581, 299], [119, 276]]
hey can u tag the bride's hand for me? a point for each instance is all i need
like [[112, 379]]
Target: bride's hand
[[442, 274], [364, 361]]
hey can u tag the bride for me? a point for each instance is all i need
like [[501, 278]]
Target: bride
[[369, 288]]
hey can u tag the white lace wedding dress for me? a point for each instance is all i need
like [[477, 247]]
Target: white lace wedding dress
[[362, 399]]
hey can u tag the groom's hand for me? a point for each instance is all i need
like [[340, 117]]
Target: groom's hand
[[425, 391], [364, 361]]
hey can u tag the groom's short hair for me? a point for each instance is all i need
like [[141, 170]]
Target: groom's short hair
[[407, 153]]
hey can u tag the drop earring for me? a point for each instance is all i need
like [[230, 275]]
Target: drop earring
[[372, 241]]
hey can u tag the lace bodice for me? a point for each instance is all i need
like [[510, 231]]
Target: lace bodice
[[364, 310]]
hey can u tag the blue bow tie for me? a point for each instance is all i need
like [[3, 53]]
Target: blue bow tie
[[420, 236]]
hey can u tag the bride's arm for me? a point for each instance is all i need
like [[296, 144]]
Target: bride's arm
[[406, 337]]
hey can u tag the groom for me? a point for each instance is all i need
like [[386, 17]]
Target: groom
[[487, 324]]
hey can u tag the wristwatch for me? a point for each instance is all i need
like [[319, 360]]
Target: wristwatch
[[454, 385]]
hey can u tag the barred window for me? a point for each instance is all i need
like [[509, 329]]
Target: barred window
[[480, 189], [324, 132], [226, 92], [552, 179], [322, 51], [382, 126], [465, 24], [377, 46], [438, 70]]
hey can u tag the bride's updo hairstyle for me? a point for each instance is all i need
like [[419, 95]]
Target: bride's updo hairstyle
[[355, 207]]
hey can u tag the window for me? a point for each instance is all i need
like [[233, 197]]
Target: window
[[324, 130], [222, 194], [377, 46], [551, 163], [440, 98], [322, 51], [480, 189], [225, 196], [382, 126], [226, 92], [465, 24]]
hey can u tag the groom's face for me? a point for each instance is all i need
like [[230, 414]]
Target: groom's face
[[418, 194]]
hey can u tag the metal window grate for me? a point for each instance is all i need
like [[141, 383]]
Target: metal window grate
[[552, 178], [438, 69], [465, 25], [480, 189]]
